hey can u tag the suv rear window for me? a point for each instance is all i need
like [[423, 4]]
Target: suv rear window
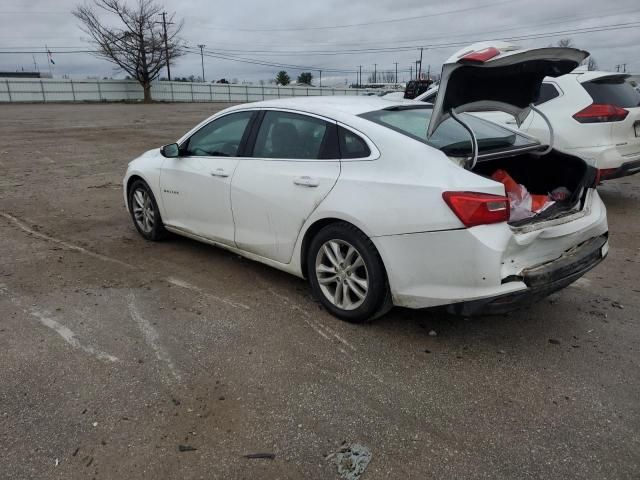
[[616, 91]]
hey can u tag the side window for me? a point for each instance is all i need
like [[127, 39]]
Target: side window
[[220, 138], [295, 136], [351, 145], [547, 92]]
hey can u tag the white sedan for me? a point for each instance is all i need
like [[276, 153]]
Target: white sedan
[[352, 194]]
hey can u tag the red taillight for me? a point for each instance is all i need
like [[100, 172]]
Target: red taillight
[[474, 208], [598, 113], [604, 173], [480, 56]]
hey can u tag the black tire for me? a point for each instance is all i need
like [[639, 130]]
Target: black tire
[[376, 301], [157, 231]]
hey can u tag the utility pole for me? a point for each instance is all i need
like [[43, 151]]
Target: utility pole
[[429, 72], [320, 78], [411, 72], [624, 68], [417, 76], [35, 65], [201, 60], [360, 80], [617, 68], [375, 73], [166, 42], [396, 64], [420, 71]]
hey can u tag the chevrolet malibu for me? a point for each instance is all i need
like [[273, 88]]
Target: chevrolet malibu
[[381, 203]]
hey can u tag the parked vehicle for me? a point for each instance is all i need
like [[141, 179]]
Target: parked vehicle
[[415, 88], [595, 115], [353, 194]]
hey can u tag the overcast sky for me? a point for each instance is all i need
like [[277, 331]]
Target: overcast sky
[[270, 31]]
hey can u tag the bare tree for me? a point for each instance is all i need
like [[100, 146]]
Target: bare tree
[[137, 44], [565, 43], [388, 77]]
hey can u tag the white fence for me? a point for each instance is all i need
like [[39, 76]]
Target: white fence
[[64, 90]]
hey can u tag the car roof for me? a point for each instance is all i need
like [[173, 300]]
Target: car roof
[[327, 106], [585, 76]]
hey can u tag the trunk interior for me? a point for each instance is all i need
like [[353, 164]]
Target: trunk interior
[[543, 174]]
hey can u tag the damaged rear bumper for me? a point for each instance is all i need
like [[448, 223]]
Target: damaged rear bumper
[[541, 280], [626, 169]]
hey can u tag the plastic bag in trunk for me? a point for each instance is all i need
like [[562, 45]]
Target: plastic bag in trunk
[[523, 203]]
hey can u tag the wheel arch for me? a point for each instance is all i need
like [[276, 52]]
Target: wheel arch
[[313, 229], [138, 176]]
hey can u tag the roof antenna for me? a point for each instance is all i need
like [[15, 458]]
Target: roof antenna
[[551, 134], [471, 163]]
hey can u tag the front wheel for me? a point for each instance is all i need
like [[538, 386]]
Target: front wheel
[[144, 211], [346, 273]]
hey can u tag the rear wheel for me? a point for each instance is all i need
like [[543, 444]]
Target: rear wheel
[[346, 273], [144, 211]]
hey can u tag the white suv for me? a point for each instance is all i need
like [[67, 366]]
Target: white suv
[[595, 115]]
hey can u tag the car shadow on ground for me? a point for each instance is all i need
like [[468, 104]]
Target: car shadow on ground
[[434, 328]]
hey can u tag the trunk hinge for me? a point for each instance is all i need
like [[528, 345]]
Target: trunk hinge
[[471, 162], [551, 134]]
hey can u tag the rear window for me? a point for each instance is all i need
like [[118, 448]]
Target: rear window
[[351, 145], [616, 91], [547, 92], [450, 137]]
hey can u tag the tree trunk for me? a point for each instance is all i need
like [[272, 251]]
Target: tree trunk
[[147, 92]]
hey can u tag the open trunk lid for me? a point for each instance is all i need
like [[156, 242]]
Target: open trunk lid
[[498, 76]]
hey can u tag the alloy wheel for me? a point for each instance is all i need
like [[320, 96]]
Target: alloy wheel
[[342, 274], [143, 210]]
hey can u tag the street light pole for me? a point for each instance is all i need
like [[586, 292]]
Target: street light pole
[[202, 60], [396, 63]]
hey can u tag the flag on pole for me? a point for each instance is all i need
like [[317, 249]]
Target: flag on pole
[[50, 57]]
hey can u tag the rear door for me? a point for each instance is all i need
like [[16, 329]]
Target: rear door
[[617, 90], [294, 164]]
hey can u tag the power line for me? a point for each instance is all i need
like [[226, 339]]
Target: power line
[[372, 49], [433, 46], [415, 41], [363, 24], [233, 56]]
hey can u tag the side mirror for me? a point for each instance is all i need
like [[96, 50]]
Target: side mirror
[[170, 151]]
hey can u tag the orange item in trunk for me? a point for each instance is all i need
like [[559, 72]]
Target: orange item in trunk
[[518, 193]]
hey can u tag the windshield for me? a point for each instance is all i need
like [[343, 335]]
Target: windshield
[[450, 137]]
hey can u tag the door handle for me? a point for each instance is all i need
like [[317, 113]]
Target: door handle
[[219, 172], [306, 181]]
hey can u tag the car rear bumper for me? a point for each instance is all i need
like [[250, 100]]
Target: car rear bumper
[[609, 157], [626, 169], [541, 281], [430, 269]]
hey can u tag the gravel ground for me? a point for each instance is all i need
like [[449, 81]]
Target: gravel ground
[[127, 359]]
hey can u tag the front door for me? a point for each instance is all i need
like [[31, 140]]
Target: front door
[[195, 187]]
